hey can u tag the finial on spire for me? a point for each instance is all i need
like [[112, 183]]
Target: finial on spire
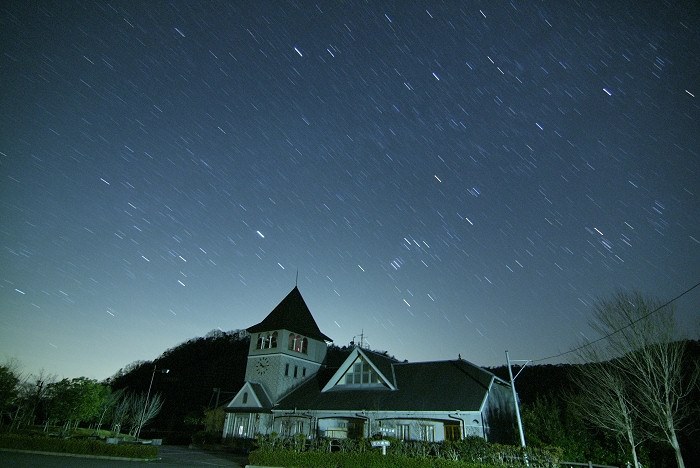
[[296, 281]]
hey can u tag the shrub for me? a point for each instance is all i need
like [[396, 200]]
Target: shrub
[[206, 437], [350, 460], [76, 446], [472, 451], [240, 445]]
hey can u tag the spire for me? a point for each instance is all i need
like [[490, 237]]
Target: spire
[[291, 314]]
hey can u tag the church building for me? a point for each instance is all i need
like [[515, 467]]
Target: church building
[[289, 389]]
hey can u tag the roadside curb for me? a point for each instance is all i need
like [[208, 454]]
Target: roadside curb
[[80, 455]]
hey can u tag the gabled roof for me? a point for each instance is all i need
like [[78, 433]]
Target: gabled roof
[[380, 363], [422, 386], [257, 399], [291, 314]]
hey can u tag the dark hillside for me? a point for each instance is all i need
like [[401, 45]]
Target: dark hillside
[[546, 381], [197, 367]]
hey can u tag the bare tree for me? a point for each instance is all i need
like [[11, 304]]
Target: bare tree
[[120, 416], [645, 353], [606, 400], [145, 410], [109, 405]]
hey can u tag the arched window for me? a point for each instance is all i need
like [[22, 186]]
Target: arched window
[[297, 343], [245, 397], [291, 342], [259, 344], [304, 345], [273, 340]]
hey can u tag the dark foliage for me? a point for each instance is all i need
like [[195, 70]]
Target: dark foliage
[[546, 393], [42, 443], [197, 367], [470, 452]]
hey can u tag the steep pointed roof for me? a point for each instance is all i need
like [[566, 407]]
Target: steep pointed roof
[[291, 314]]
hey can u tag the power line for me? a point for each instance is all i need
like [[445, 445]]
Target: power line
[[621, 328]]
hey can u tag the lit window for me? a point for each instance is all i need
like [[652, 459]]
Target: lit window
[[403, 431], [427, 433], [297, 343], [361, 373]]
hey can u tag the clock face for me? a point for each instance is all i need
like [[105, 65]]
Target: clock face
[[262, 366]]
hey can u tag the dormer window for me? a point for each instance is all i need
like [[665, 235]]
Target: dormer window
[[361, 373]]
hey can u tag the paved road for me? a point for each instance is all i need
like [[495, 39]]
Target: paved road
[[170, 455]]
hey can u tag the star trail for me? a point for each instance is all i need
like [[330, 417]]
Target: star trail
[[446, 177]]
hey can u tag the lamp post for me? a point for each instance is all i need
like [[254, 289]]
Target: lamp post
[[148, 394]]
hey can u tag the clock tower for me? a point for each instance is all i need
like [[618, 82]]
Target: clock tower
[[286, 348]]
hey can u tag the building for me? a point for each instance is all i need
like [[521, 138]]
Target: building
[[289, 390]]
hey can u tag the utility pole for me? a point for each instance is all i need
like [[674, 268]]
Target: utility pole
[[515, 397]]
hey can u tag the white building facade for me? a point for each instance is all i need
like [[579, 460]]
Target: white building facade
[[288, 389]]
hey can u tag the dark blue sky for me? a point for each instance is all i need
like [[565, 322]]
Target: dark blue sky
[[449, 177]]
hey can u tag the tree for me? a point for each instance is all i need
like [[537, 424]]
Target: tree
[[75, 400], [645, 355], [111, 399], [122, 413], [605, 400], [32, 398], [145, 409], [9, 387]]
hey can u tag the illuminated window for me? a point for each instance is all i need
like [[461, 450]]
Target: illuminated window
[[266, 341], [297, 343], [360, 373], [427, 433], [403, 431]]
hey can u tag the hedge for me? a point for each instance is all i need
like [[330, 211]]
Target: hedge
[[351, 460], [76, 446], [470, 452]]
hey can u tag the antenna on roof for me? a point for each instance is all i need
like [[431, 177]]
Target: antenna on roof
[[363, 342]]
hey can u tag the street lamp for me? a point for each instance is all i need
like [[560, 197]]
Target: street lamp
[[148, 394]]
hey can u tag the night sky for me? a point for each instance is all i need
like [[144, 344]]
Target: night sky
[[450, 177]]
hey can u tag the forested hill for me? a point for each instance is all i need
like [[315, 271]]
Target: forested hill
[[196, 368], [202, 372]]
